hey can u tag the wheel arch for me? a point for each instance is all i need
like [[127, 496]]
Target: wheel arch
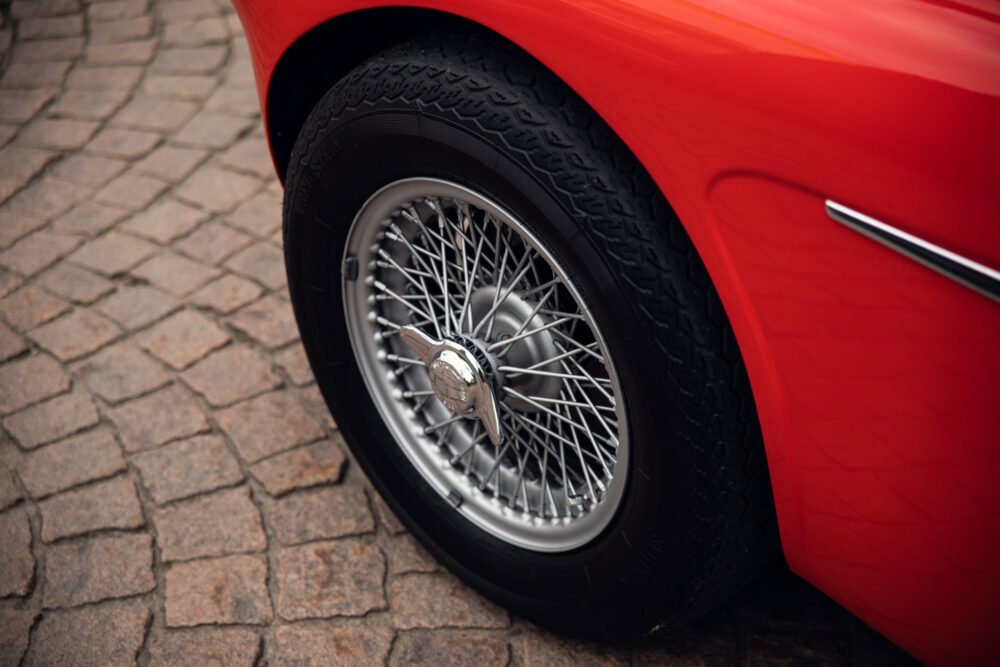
[[324, 54]]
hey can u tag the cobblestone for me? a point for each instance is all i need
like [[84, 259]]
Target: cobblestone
[[219, 524], [51, 420], [108, 634], [324, 579], [267, 425], [70, 462], [100, 506], [323, 514], [98, 568], [185, 468], [312, 465], [173, 490], [227, 590], [168, 414]]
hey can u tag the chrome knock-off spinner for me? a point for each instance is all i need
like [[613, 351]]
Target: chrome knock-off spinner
[[458, 379]]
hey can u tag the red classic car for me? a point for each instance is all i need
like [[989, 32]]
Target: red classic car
[[614, 299]]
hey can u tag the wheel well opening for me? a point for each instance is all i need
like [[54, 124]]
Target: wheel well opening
[[327, 53]]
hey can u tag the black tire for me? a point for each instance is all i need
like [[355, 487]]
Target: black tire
[[697, 520]]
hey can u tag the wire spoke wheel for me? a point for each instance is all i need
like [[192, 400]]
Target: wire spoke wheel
[[486, 363]]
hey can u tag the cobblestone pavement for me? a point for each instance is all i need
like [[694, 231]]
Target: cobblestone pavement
[[172, 489]]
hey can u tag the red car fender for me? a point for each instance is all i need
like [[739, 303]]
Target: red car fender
[[875, 379]]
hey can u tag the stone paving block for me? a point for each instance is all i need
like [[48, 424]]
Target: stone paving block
[[98, 568], [29, 380], [312, 465], [89, 219], [116, 9], [185, 468], [171, 163], [49, 50], [105, 77], [220, 524], [320, 514], [329, 643], [193, 33], [261, 215], [35, 75], [120, 372], [7, 132], [16, 222], [274, 423], [227, 294], [18, 569], [232, 647], [114, 253], [118, 142], [231, 375], [33, 253], [20, 163], [89, 104], [11, 344], [48, 197], [174, 273], [102, 505], [251, 155], [53, 419], [213, 130], [269, 322], [131, 190], [138, 52], [216, 189], [9, 493], [197, 60], [30, 306], [76, 334], [324, 579], [150, 113], [261, 262], [15, 625], [213, 242], [58, 134], [180, 87], [185, 10], [452, 650], [238, 101], [108, 634], [121, 30], [137, 306], [315, 405], [294, 362], [168, 414], [227, 590], [19, 106], [75, 284], [71, 462], [406, 555], [29, 8], [440, 601], [88, 170], [183, 338], [45, 28], [164, 221], [547, 650]]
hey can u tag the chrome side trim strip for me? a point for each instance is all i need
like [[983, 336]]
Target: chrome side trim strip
[[972, 274]]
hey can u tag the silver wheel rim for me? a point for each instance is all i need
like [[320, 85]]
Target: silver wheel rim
[[557, 477]]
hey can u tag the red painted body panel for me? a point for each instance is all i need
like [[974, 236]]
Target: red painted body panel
[[876, 380]]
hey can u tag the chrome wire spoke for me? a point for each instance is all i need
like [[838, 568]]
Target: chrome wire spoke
[[450, 270]]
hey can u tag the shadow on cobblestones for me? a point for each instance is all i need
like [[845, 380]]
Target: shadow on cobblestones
[[172, 489]]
